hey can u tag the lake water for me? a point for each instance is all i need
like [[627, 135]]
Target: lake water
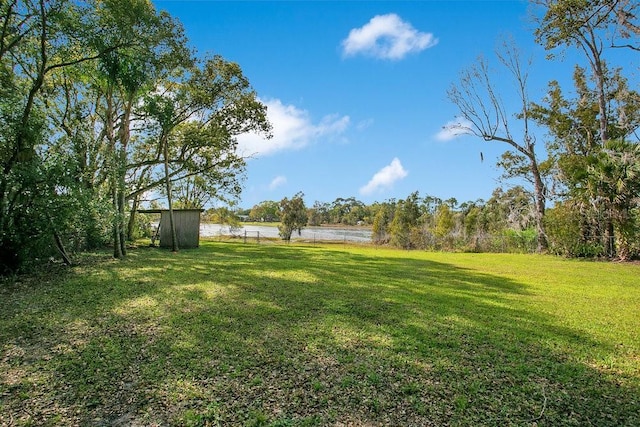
[[308, 233]]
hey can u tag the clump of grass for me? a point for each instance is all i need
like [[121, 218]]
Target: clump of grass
[[233, 334]]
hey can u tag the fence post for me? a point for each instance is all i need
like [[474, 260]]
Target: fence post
[[245, 237], [258, 238], [612, 248]]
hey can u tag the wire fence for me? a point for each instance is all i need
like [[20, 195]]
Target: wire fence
[[308, 237], [510, 242], [270, 235]]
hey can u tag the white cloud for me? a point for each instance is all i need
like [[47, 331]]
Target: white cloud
[[387, 37], [454, 128], [292, 129], [385, 177], [278, 181]]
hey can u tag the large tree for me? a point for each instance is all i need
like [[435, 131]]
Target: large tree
[[382, 218], [405, 225], [126, 76], [293, 216], [578, 23], [590, 25], [585, 26], [587, 170], [266, 211], [80, 140], [41, 40], [193, 124], [485, 115]]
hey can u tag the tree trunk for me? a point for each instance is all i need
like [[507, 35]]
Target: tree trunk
[[132, 217], [121, 216], [23, 151], [540, 202], [124, 136], [598, 73], [625, 237], [610, 243], [114, 174], [174, 236], [117, 246], [61, 249]]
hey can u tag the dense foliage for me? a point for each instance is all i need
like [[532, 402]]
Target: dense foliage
[[593, 141], [590, 171], [102, 104]]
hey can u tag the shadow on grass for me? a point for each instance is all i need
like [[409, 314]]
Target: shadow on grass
[[248, 335]]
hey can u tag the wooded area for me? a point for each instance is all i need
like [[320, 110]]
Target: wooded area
[[101, 103]]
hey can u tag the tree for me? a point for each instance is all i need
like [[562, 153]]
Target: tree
[[319, 213], [75, 112], [405, 223], [585, 25], [470, 220], [346, 211], [194, 122], [577, 149], [266, 211], [382, 221], [293, 216], [566, 233], [577, 23], [617, 171], [224, 216], [41, 40], [485, 116], [191, 193], [444, 221], [126, 74]]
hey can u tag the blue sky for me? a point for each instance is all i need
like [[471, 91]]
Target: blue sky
[[356, 91]]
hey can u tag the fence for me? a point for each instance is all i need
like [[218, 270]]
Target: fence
[[507, 242], [256, 237], [260, 234], [243, 235]]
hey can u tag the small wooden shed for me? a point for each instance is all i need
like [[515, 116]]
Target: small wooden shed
[[187, 222]]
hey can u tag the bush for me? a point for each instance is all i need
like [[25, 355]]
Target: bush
[[523, 241], [566, 236], [142, 227]]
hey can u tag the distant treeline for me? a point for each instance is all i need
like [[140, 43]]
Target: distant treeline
[[504, 223]]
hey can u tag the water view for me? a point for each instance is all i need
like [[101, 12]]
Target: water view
[[308, 233]]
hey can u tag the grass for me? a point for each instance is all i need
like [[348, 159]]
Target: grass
[[233, 334]]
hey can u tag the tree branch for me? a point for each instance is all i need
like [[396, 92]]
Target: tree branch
[[629, 46]]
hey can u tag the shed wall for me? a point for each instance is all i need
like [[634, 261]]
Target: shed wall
[[187, 229]]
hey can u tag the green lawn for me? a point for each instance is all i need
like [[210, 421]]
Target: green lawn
[[233, 334]]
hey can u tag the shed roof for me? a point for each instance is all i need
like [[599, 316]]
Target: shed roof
[[167, 210]]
